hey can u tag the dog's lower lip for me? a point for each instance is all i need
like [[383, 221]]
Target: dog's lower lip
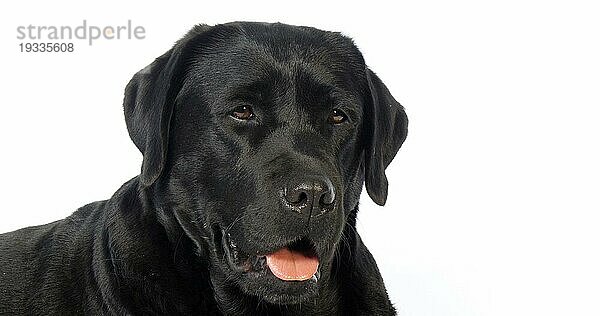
[[234, 260], [259, 263]]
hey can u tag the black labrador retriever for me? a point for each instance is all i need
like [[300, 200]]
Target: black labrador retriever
[[256, 141]]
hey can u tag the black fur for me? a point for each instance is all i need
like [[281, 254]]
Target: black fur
[[174, 240]]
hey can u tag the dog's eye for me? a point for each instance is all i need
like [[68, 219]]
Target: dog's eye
[[336, 117], [243, 112]]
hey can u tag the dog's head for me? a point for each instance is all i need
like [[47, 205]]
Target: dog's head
[[258, 138]]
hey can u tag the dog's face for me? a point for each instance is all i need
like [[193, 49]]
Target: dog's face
[[258, 137]]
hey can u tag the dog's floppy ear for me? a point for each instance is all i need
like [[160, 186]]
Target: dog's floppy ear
[[148, 105], [386, 126]]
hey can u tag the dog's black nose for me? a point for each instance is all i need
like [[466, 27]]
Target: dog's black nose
[[310, 193]]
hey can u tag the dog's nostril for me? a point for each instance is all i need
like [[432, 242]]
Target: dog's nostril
[[302, 197], [327, 198], [296, 196]]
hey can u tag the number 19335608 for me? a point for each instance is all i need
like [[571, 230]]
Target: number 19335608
[[46, 47]]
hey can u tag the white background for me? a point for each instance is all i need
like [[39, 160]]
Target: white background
[[494, 198]]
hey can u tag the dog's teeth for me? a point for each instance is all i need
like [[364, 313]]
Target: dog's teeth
[[314, 278]]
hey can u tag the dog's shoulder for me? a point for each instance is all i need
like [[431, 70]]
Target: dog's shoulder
[[45, 265]]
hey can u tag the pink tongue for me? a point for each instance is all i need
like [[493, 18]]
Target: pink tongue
[[290, 265]]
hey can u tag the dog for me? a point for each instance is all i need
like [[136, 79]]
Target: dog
[[256, 141]]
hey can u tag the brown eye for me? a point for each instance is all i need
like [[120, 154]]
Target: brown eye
[[336, 117], [243, 112]]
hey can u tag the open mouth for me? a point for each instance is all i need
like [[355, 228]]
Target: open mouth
[[295, 262]]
